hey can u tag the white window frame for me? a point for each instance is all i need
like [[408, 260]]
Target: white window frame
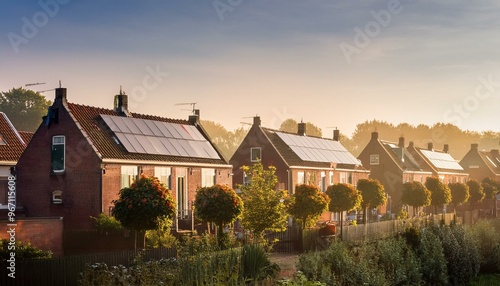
[[207, 177], [332, 178], [164, 175], [132, 172], [258, 158], [57, 197], [64, 153], [301, 178]]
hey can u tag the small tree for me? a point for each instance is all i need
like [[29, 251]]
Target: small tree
[[264, 204], [307, 204], [490, 188], [440, 193], [144, 205], [459, 193], [476, 194], [218, 204], [416, 195], [343, 197], [373, 195]]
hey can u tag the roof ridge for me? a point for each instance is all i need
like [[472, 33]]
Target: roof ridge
[[13, 128]]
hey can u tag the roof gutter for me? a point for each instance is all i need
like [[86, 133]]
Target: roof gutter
[[164, 163], [8, 163], [329, 169]]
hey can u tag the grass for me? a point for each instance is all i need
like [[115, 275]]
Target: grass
[[486, 280]]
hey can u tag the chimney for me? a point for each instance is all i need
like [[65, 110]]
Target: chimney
[[301, 129], [410, 145], [121, 103], [375, 135], [256, 121], [336, 135], [446, 148], [494, 152], [474, 146], [430, 146], [195, 117], [60, 94], [401, 143]]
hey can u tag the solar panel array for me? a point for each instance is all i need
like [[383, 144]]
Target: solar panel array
[[442, 160], [318, 149], [160, 138]]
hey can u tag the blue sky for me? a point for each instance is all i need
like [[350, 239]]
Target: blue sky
[[416, 62]]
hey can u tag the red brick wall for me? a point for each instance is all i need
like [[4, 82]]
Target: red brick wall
[[43, 233], [80, 183]]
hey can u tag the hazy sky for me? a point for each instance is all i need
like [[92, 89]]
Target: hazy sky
[[332, 63]]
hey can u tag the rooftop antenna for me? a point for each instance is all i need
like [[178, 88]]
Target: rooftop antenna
[[60, 84], [193, 104], [36, 83]]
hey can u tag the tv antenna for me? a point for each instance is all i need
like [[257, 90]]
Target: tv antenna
[[193, 104], [36, 83]]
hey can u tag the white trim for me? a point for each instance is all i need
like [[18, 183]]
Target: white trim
[[13, 129], [251, 154], [79, 126], [8, 163], [329, 169], [163, 163]]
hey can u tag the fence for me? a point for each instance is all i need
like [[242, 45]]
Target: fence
[[66, 270]]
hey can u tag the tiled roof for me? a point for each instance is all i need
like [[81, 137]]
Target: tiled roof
[[14, 144], [102, 137], [402, 157], [292, 159], [26, 136], [491, 160]]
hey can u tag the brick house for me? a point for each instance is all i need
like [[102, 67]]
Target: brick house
[[441, 163], [392, 164], [12, 145], [81, 156], [298, 158], [480, 163]]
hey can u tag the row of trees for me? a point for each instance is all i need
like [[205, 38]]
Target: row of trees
[[436, 193]]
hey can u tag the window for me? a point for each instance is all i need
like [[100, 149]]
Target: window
[[332, 180], [58, 153], [164, 175], [182, 193], [344, 178], [246, 179], [301, 178], [207, 177], [2, 140], [57, 197], [255, 154], [4, 191], [374, 159], [128, 176], [323, 182]]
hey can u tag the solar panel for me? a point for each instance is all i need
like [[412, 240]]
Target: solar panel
[[160, 138], [318, 149], [442, 160]]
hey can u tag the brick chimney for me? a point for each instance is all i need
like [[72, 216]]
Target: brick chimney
[[121, 103], [256, 121], [410, 145], [474, 146], [430, 146], [446, 148], [195, 117], [336, 135], [401, 143], [61, 94], [375, 135], [301, 129]]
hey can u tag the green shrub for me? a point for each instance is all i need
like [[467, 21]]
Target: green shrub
[[106, 222], [256, 264], [22, 251], [488, 242], [432, 259]]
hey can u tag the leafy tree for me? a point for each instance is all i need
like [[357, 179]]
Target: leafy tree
[[290, 125], [307, 204], [226, 141], [490, 187], [343, 197], [264, 204], [416, 195], [144, 205], [476, 193], [373, 194], [440, 193], [218, 204], [459, 193], [25, 108]]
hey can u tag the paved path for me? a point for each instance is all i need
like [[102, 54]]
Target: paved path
[[287, 262]]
